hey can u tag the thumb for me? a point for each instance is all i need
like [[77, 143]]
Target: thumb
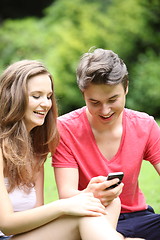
[[98, 179]]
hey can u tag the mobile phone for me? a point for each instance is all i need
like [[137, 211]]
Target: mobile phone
[[115, 175]]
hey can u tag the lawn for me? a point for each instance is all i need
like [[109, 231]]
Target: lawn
[[50, 190], [150, 185], [149, 182]]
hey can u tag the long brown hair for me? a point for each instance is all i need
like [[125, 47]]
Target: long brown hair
[[23, 153]]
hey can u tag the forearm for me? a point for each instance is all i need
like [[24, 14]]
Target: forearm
[[20, 222], [97, 186], [69, 192]]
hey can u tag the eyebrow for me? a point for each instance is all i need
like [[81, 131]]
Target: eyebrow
[[115, 96], [40, 92]]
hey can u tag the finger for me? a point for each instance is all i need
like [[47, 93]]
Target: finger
[[92, 214], [107, 203], [94, 199], [98, 179], [97, 209], [117, 190], [98, 205], [89, 194], [109, 183]]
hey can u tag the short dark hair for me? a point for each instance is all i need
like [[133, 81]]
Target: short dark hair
[[101, 67]]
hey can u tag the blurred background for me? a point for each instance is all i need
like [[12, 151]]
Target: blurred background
[[58, 32]]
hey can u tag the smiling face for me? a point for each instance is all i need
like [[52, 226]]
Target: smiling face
[[39, 100], [105, 103]]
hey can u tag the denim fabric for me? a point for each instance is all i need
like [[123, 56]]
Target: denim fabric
[[143, 224], [4, 238]]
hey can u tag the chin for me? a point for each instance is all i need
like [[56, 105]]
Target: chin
[[40, 124], [37, 125]]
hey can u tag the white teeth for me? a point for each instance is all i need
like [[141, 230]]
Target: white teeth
[[107, 116], [42, 113]]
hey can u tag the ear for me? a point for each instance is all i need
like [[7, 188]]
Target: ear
[[127, 89], [82, 94]]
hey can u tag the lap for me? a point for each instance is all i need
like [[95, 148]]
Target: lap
[[65, 227], [142, 224]]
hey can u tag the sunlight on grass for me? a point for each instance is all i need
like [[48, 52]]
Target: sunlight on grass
[[149, 183], [50, 190]]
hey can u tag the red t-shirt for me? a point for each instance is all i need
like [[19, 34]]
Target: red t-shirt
[[78, 149]]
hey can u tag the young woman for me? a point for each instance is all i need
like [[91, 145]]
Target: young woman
[[27, 126]]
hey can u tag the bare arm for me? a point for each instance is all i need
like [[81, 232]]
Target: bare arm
[[67, 184], [39, 186], [157, 167], [18, 222], [67, 181]]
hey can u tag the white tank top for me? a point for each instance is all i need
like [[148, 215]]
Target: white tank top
[[21, 200]]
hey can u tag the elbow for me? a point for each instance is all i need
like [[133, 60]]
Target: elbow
[[7, 229], [67, 194], [63, 195]]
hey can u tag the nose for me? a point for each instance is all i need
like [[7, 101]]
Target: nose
[[46, 102], [105, 109]]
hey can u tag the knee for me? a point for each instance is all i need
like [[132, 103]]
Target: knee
[[115, 205], [117, 202]]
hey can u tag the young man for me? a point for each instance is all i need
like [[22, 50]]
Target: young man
[[105, 137]]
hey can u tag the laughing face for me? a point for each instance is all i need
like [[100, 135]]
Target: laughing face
[[39, 96], [105, 103]]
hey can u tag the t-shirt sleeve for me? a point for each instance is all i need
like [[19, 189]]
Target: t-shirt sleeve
[[152, 150], [63, 156]]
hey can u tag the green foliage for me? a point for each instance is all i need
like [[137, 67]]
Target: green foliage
[[145, 94], [69, 28], [75, 30], [20, 39]]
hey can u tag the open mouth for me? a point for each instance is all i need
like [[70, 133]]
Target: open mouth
[[40, 113], [107, 117]]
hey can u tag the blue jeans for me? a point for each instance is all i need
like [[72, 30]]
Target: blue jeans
[[4, 238], [142, 224]]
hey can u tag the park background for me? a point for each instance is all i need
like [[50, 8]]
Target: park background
[[58, 32]]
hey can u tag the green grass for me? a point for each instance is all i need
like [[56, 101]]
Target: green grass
[[50, 190], [149, 183]]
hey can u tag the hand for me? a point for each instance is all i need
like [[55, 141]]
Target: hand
[[98, 186], [83, 204]]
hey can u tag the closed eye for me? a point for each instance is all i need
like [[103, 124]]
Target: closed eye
[[36, 97], [94, 102], [112, 100]]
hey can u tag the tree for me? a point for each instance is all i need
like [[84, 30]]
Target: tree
[[145, 94], [69, 28]]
